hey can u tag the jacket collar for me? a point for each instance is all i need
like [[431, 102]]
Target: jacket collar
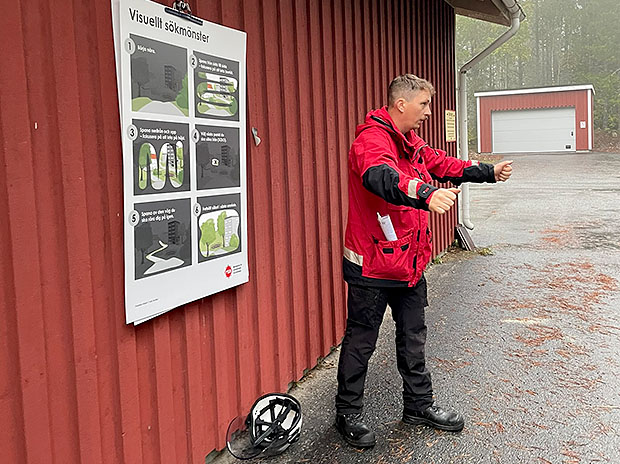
[[411, 142]]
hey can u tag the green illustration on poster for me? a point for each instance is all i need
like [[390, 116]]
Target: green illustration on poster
[[217, 104], [148, 161], [216, 83], [219, 232], [160, 164], [216, 95], [147, 151]]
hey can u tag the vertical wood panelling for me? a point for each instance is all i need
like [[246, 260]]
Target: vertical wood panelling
[[343, 130], [307, 177], [72, 161], [34, 442], [77, 384], [12, 397], [322, 98], [297, 328], [339, 165]]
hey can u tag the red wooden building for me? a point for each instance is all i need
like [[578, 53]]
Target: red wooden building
[[76, 383], [549, 119]]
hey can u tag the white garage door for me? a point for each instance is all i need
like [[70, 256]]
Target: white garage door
[[537, 130]]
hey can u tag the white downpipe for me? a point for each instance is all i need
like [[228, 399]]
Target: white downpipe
[[515, 23]]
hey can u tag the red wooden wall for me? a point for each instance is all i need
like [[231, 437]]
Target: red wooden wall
[[576, 98], [76, 383]]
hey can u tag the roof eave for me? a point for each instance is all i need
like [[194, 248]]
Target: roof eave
[[559, 88], [493, 11]]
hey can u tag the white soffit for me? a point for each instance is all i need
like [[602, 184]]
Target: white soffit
[[493, 11]]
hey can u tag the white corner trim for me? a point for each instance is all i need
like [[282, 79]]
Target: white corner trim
[[590, 120], [477, 121]]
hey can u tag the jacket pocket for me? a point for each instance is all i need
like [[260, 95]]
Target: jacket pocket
[[391, 260], [428, 244]]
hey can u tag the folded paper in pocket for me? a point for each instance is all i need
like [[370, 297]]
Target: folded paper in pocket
[[387, 227]]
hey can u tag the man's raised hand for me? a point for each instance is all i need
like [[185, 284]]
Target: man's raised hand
[[442, 200], [502, 171]]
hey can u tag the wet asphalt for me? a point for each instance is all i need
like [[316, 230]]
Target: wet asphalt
[[523, 333]]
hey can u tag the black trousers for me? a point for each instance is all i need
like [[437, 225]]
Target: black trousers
[[366, 307]]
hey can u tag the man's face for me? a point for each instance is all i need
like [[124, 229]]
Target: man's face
[[417, 110]]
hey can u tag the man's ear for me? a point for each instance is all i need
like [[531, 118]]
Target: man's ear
[[400, 104]]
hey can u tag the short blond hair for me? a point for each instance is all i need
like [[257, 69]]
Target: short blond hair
[[406, 86]]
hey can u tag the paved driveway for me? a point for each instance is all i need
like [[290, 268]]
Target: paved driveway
[[525, 341]]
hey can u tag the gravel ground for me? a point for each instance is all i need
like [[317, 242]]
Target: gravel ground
[[524, 333]]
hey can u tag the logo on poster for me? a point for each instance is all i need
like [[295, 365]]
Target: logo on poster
[[228, 271]]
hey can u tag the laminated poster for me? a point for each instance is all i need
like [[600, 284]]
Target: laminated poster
[[181, 89]]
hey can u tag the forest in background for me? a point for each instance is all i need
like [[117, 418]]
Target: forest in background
[[561, 42]]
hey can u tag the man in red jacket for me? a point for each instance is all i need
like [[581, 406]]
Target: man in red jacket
[[390, 173]]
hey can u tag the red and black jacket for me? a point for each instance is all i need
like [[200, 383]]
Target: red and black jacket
[[390, 173]]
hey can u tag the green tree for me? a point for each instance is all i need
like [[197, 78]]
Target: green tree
[[561, 42], [208, 235], [220, 223], [234, 242], [232, 109], [182, 96], [593, 57], [179, 164], [180, 156], [143, 160]]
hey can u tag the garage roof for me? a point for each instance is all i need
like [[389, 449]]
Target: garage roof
[[562, 88], [493, 11]]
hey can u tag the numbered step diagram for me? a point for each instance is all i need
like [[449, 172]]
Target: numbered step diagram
[[162, 236], [217, 157], [216, 82], [158, 77], [182, 98], [219, 226], [161, 161]]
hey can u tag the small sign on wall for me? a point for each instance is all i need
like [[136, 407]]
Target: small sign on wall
[[450, 123], [582, 124]]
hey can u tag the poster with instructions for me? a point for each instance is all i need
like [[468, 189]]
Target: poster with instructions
[[181, 89]]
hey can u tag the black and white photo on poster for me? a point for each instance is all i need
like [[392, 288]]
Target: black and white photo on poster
[[158, 77], [217, 157], [162, 237]]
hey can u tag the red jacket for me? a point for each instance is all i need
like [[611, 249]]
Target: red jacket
[[390, 173]]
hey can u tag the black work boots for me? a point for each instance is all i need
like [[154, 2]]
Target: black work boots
[[436, 417], [354, 431], [359, 435]]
